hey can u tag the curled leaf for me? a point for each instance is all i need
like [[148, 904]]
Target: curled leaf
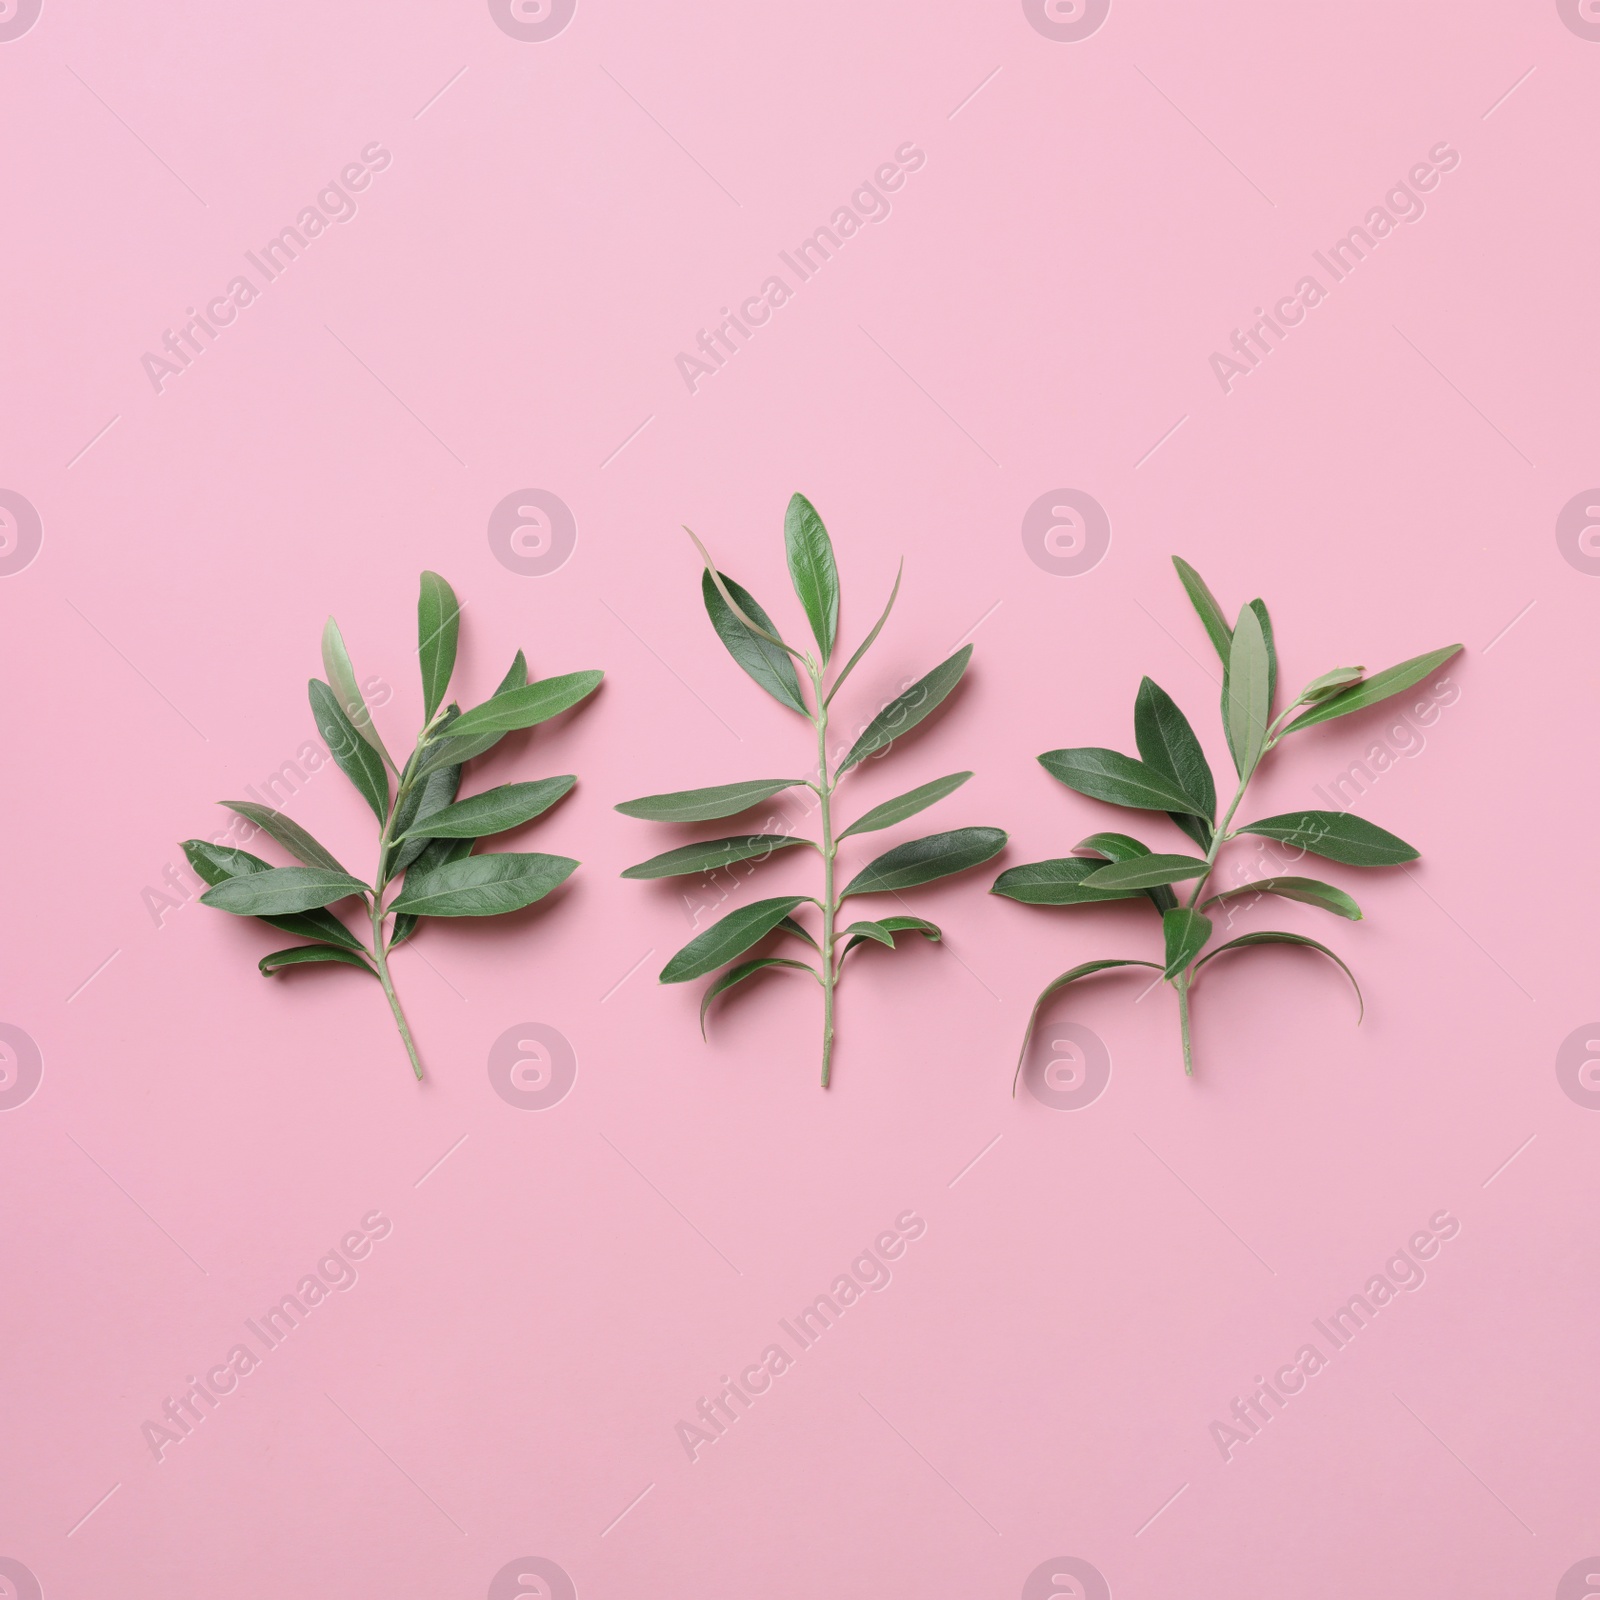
[[1307, 890], [1086, 970], [301, 955], [1248, 940], [738, 974]]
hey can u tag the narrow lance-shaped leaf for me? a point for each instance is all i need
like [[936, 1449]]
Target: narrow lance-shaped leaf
[[214, 864], [480, 815], [1111, 776], [1146, 872], [358, 760], [1380, 686], [885, 928], [1335, 836], [866, 644], [1248, 940], [712, 854], [1247, 699], [923, 860], [1185, 933], [342, 676], [906, 805], [1120, 847], [728, 937], [1086, 970], [1205, 604], [1307, 890], [812, 571], [746, 969], [906, 710], [1167, 742], [280, 890], [706, 805], [438, 624], [1260, 608], [288, 833], [536, 702], [770, 665], [483, 886], [311, 954], [1056, 883]]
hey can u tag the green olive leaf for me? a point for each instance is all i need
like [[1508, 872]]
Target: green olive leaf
[[1146, 872], [1168, 743], [706, 805], [358, 760], [731, 936], [483, 886], [1249, 940], [280, 890], [906, 710], [1205, 605], [812, 571], [1185, 933], [922, 861], [438, 625], [287, 832], [1247, 692], [1119, 847], [1111, 776], [770, 666], [1380, 686], [1086, 970], [494, 811], [513, 709], [342, 676], [1307, 890], [906, 805], [213, 864], [885, 928], [866, 644], [1056, 883], [1330, 683], [306, 954], [1335, 836], [712, 854], [746, 969]]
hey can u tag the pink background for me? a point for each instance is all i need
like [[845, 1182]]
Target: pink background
[[560, 1287]]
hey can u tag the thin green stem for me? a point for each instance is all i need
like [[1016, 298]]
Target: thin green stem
[[380, 949], [1219, 837], [1183, 1021], [830, 850], [382, 955]]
